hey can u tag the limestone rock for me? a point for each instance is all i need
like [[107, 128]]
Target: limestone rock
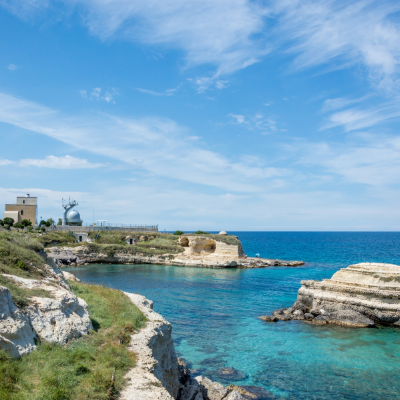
[[59, 318], [349, 318], [16, 334], [319, 320], [212, 390], [224, 256], [360, 295], [70, 277], [234, 395], [156, 361], [269, 318]]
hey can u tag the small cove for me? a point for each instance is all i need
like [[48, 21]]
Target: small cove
[[214, 315]]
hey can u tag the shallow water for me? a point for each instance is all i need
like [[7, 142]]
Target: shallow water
[[214, 316]]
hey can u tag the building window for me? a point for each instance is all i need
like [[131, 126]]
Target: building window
[[23, 201], [22, 212]]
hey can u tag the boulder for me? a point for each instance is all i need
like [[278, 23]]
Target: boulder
[[284, 317], [315, 312], [269, 318], [298, 315], [350, 318], [234, 395], [298, 305], [16, 334], [212, 390], [319, 320], [308, 316]]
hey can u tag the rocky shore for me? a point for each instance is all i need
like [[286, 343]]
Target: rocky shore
[[160, 374], [360, 296], [72, 256]]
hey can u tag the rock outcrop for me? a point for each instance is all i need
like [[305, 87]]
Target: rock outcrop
[[360, 295], [57, 318], [155, 375], [199, 255], [16, 334], [159, 374]]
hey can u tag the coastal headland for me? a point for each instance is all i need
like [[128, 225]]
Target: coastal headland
[[187, 250], [60, 338]]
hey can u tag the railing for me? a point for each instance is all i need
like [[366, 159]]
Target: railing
[[110, 227]]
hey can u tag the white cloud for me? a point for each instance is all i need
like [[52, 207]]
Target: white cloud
[[152, 144], [168, 92], [239, 118], [343, 34], [372, 160], [66, 162], [257, 122], [97, 94], [12, 67], [220, 33], [335, 104], [361, 118]]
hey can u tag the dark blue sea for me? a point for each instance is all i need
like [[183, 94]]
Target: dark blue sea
[[214, 316]]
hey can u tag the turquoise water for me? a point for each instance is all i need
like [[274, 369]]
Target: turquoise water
[[214, 316]]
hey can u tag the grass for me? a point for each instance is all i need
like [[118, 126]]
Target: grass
[[82, 369], [55, 238], [21, 296], [18, 255], [228, 239]]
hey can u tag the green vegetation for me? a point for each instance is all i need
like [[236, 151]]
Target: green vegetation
[[55, 238], [91, 367], [228, 239], [18, 255], [59, 221], [19, 225], [22, 296], [201, 233], [26, 222], [8, 221], [179, 233]]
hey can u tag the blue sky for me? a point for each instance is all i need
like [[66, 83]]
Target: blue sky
[[204, 114]]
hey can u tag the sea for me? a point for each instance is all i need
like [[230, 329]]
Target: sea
[[214, 314]]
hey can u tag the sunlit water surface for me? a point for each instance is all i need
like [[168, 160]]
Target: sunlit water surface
[[214, 315]]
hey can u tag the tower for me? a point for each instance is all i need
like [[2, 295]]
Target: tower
[[67, 206]]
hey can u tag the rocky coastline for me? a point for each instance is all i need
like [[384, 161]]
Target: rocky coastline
[[160, 374], [360, 296], [73, 256]]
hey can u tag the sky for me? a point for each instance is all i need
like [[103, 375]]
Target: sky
[[204, 114]]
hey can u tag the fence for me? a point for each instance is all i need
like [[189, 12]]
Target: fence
[[99, 228]]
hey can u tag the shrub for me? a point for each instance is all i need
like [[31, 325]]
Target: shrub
[[1, 222], [179, 233], [19, 225], [43, 229], [26, 222], [8, 221], [59, 221], [42, 222], [201, 233], [50, 222], [6, 226], [30, 228]]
